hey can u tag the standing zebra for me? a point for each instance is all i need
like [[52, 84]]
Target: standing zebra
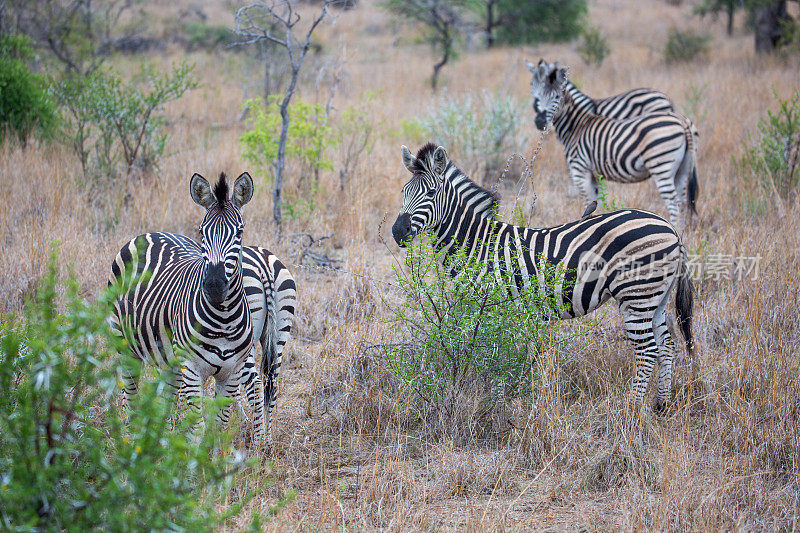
[[658, 145], [271, 296], [629, 104], [633, 256], [211, 300]]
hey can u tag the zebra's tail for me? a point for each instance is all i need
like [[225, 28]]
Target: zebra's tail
[[684, 302], [690, 159]]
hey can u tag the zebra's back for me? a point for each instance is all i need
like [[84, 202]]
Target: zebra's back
[[624, 254], [633, 103]]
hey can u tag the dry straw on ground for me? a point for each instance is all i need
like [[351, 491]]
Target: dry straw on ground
[[726, 457]]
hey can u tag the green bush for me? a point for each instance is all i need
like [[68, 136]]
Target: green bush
[[685, 46], [593, 47], [472, 344], [209, 37], [26, 107], [112, 124], [774, 155], [68, 460], [538, 21], [483, 131], [310, 135]]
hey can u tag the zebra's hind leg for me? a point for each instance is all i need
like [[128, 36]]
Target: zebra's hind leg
[[638, 317], [666, 354], [665, 175], [253, 386]]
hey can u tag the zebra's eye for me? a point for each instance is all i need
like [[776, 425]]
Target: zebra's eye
[[239, 231], [430, 193]]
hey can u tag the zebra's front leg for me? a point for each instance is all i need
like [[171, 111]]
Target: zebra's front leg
[[189, 384]]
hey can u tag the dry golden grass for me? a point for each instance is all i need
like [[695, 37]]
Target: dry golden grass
[[728, 455]]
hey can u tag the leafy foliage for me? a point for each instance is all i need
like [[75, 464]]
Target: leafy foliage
[[685, 45], [540, 21], [204, 36], [309, 137], [593, 47], [68, 460], [483, 130], [774, 155], [26, 106], [470, 337], [111, 123]]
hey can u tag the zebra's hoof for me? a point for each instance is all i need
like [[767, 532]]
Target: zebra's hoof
[[660, 407]]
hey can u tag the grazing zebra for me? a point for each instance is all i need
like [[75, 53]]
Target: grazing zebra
[[658, 145], [633, 256], [210, 299]]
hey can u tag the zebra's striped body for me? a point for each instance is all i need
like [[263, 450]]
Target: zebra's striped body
[[176, 293], [660, 145], [632, 256]]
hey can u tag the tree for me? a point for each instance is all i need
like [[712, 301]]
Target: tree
[[275, 21], [78, 33], [514, 22], [769, 19], [715, 7], [443, 22]]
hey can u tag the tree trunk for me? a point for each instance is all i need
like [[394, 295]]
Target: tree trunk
[[768, 19], [437, 67], [490, 24], [731, 11]]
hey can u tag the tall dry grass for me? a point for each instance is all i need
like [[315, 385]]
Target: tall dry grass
[[725, 457]]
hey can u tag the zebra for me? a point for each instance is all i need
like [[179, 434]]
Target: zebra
[[271, 294], [632, 103], [212, 300], [634, 256], [659, 145]]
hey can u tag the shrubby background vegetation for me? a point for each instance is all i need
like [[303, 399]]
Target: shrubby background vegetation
[[354, 444]]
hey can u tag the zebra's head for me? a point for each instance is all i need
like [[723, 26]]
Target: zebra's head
[[221, 231], [423, 194], [547, 88]]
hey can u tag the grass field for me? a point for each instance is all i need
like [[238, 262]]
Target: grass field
[[727, 457]]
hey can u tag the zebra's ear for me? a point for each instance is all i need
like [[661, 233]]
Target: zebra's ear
[[201, 191], [242, 189], [561, 76], [409, 161], [439, 161], [530, 66]]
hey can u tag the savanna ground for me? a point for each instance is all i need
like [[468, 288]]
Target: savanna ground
[[726, 457]]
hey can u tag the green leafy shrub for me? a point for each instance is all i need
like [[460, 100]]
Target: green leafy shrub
[[593, 47], [26, 107], [774, 155], [685, 46], [68, 460], [200, 35], [472, 344], [116, 128], [482, 131], [309, 138], [539, 21]]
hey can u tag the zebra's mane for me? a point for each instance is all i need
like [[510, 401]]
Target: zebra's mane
[[221, 190], [482, 201], [424, 161]]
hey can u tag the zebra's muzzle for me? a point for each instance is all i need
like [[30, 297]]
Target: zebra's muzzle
[[215, 286], [540, 121], [401, 229]]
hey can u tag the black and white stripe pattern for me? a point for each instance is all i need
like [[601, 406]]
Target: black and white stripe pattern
[[661, 145], [272, 297], [633, 103], [178, 295], [632, 256]]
